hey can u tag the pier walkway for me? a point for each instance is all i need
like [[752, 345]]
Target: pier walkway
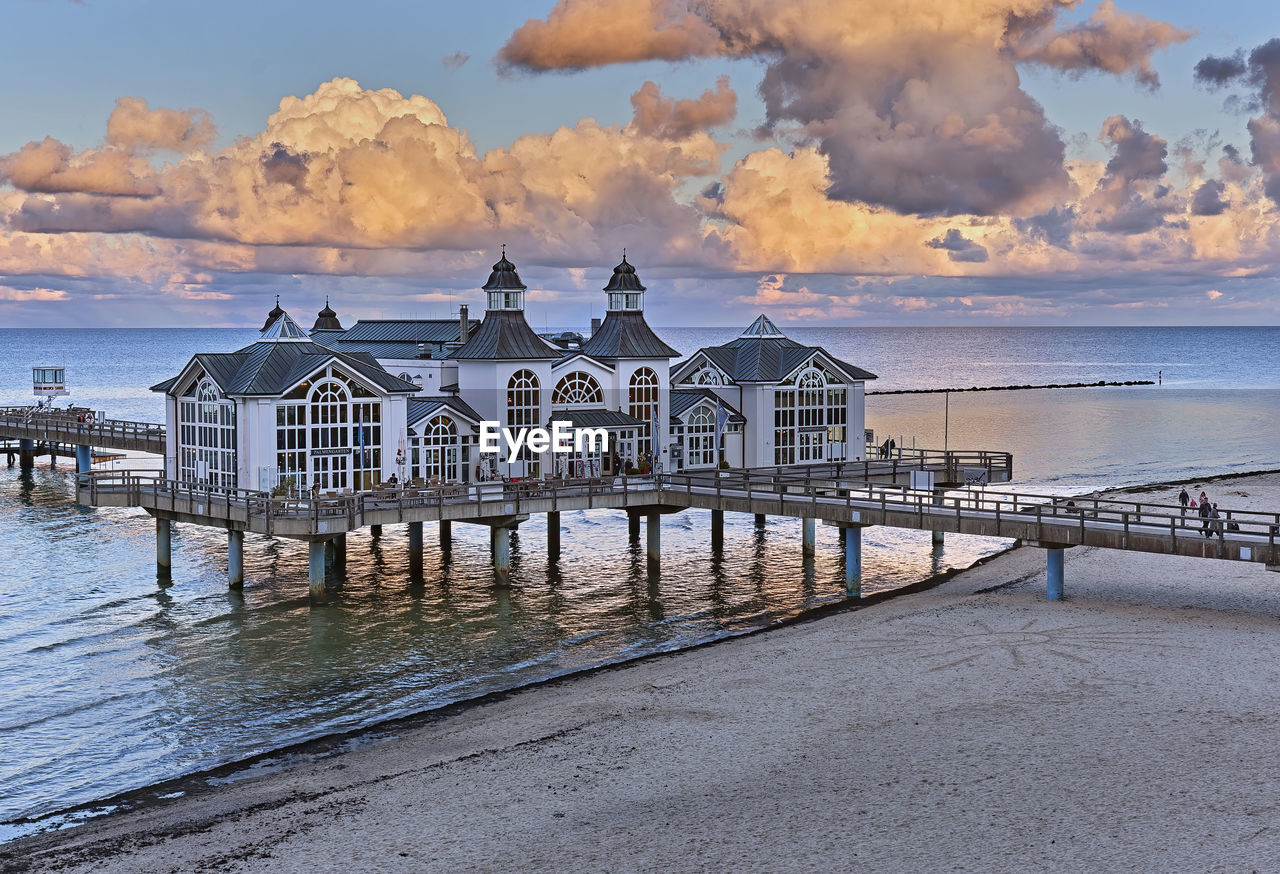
[[30, 431], [835, 494]]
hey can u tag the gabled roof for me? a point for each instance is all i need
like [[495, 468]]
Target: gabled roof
[[504, 334], [684, 399], [270, 367], [763, 354], [626, 335], [422, 408]]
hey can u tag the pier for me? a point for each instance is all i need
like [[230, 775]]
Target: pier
[[840, 495], [28, 432]]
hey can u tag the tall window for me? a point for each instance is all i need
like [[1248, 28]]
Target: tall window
[[434, 452], [366, 440], [523, 409], [291, 444], [643, 397], [700, 438], [810, 418], [330, 415], [207, 437], [577, 389]]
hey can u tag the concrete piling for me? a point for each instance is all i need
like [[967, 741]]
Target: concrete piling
[[415, 550], [717, 530], [164, 549], [375, 531], [653, 540], [315, 567], [633, 527], [553, 536], [84, 459], [1057, 562], [26, 454], [502, 555], [853, 561], [939, 500], [809, 539], [235, 558], [760, 519]]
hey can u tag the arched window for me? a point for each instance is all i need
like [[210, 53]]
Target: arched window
[[330, 418], [707, 376], [207, 437], [577, 389], [643, 397], [700, 438], [523, 406], [435, 452]]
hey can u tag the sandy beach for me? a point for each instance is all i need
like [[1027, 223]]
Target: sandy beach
[[974, 726]]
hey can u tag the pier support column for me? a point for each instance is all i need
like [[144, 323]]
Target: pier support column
[[235, 559], [939, 500], [809, 539], [84, 459], [633, 527], [164, 549], [375, 531], [340, 550], [446, 535], [502, 555], [717, 530], [760, 518], [853, 561], [1057, 560], [315, 567], [27, 454], [415, 550], [553, 536], [653, 539]]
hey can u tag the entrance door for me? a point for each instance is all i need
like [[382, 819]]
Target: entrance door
[[333, 471], [813, 445]]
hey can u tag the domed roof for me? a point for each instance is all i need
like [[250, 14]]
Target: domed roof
[[504, 276], [273, 315], [327, 319], [624, 277]]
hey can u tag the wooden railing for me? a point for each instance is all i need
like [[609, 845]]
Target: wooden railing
[[64, 426], [1049, 518]]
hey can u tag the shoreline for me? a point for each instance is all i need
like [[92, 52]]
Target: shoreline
[[319, 752]]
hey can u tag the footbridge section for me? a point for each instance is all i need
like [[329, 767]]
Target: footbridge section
[[33, 432], [830, 495]]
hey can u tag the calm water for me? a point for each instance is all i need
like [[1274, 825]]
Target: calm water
[[111, 683]]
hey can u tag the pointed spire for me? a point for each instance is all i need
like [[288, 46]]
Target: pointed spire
[[326, 319], [762, 327], [283, 328]]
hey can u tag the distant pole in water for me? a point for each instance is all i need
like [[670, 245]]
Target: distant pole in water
[[1159, 377], [946, 419]]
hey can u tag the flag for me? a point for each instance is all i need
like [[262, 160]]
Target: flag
[[722, 419]]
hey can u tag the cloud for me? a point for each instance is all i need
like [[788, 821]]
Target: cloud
[[132, 125], [666, 118], [918, 110], [1112, 41], [456, 60], [50, 167], [1217, 72], [1208, 199], [1213, 294], [957, 247], [31, 294]]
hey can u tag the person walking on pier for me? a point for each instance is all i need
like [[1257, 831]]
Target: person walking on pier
[[1183, 498], [1206, 514]]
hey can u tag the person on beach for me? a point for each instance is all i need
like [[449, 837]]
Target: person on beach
[[1204, 499], [1206, 512], [1183, 498]]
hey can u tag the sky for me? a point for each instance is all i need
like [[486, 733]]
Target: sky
[[847, 162]]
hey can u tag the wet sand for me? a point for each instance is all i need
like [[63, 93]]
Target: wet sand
[[973, 726]]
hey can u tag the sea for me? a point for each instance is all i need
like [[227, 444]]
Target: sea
[[111, 682]]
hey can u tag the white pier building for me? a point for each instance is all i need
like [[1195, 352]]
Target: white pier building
[[346, 409]]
